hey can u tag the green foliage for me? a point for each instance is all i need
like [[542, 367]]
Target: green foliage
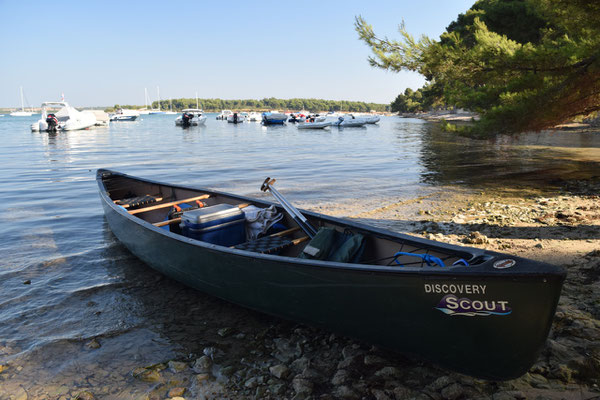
[[271, 103], [523, 64]]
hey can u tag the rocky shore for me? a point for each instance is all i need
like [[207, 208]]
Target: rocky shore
[[274, 359]]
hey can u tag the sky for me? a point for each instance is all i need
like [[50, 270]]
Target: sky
[[106, 53]]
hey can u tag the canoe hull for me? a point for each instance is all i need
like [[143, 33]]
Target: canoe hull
[[486, 325]]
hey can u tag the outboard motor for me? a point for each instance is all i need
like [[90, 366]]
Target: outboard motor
[[235, 118], [186, 119], [52, 122]]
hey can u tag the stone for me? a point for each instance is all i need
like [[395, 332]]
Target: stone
[[344, 392], [201, 378], [302, 385], [440, 383], [251, 383], [371, 359], [300, 364], [93, 344], [388, 372], [202, 364], [176, 392], [177, 366], [280, 371], [341, 376], [380, 395], [452, 392], [146, 375], [224, 332], [277, 389], [85, 395], [476, 238]]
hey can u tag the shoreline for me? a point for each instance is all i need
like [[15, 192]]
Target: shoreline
[[245, 354]]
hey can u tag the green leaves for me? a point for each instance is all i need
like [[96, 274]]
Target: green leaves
[[523, 64]]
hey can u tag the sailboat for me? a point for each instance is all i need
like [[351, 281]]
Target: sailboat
[[170, 112], [22, 113], [157, 111], [145, 111]]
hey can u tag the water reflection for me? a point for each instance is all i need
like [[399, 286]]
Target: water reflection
[[542, 161]]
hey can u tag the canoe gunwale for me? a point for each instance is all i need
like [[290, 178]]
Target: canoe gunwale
[[462, 271]]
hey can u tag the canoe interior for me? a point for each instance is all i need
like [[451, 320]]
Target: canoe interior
[[379, 248]]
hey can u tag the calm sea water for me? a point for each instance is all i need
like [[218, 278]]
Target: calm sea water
[[85, 285]]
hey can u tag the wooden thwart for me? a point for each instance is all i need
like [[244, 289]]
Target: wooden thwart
[[177, 220], [172, 203]]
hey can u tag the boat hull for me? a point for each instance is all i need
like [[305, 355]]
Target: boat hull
[[489, 324]]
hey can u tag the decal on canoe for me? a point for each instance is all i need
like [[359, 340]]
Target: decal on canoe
[[452, 305], [503, 264], [454, 288]]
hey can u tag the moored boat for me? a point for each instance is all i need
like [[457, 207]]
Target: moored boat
[[349, 121], [314, 125], [236, 118], [478, 312], [123, 114], [274, 118], [224, 114], [67, 118], [191, 117]]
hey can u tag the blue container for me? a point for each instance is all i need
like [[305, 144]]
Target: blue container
[[221, 224]]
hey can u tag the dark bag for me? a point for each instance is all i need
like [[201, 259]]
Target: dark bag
[[331, 245]]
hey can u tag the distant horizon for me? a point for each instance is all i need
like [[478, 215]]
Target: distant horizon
[[102, 57]]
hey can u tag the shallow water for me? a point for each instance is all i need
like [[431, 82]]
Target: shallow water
[[85, 285]]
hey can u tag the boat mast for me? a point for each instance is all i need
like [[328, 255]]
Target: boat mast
[[158, 94], [22, 104], [197, 107], [146, 97]]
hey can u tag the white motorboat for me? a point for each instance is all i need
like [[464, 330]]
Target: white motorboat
[[65, 119], [224, 114], [349, 121], [314, 125], [102, 118], [191, 116], [236, 118], [21, 113], [124, 115], [254, 117]]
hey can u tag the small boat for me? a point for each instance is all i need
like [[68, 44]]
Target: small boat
[[479, 312], [297, 117], [65, 119], [349, 121], [369, 119], [274, 118], [122, 114], [191, 117], [314, 125], [102, 118], [22, 113], [254, 117], [236, 118], [224, 114]]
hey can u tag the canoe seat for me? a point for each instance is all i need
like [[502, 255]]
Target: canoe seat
[[137, 201], [265, 245]]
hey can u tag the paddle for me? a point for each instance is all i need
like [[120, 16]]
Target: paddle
[[291, 210]]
